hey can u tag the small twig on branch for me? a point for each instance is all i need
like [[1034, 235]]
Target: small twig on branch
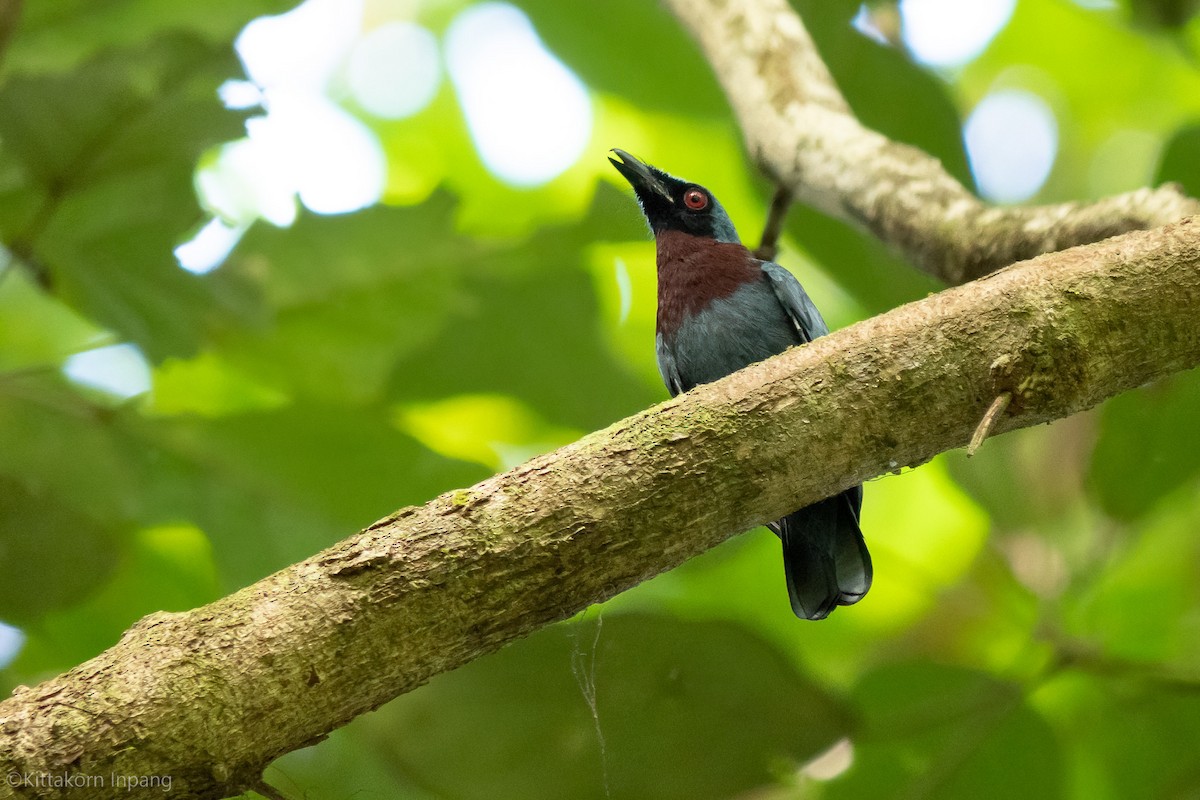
[[268, 791], [776, 215], [989, 421]]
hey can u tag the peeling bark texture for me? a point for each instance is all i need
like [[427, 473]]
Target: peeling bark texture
[[800, 130], [211, 696]]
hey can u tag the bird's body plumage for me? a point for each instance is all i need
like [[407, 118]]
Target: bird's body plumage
[[721, 309]]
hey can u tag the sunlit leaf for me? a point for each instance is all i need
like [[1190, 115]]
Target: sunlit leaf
[[1145, 607], [493, 430], [36, 329], [1099, 714], [208, 386]]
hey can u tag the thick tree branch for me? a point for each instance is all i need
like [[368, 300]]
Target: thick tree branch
[[209, 697], [801, 131]]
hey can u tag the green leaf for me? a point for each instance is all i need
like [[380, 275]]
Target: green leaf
[[275, 486], [1148, 446], [348, 762], [1165, 14], [1128, 735], [684, 710], [525, 321], [347, 296], [860, 263], [63, 446], [57, 34], [163, 568], [51, 556], [35, 328], [1144, 606], [108, 151], [545, 351], [634, 49], [1181, 160], [944, 732]]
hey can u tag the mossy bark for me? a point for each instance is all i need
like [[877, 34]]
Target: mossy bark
[[211, 696]]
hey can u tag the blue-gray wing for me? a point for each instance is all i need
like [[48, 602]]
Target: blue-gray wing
[[667, 366], [796, 302]]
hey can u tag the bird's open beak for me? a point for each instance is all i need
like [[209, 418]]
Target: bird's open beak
[[639, 175]]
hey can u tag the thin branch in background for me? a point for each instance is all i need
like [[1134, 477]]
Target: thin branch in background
[[776, 215], [802, 132]]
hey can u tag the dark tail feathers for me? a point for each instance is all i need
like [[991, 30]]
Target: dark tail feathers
[[824, 555]]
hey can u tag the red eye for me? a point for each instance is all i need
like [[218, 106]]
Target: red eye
[[695, 199]]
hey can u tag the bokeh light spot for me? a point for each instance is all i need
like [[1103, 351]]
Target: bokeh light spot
[[246, 181], [209, 248], [624, 288], [239, 95], [307, 144], [949, 33], [394, 70], [11, 641], [1012, 141], [864, 23], [335, 162], [301, 48], [832, 762], [119, 370], [529, 116]]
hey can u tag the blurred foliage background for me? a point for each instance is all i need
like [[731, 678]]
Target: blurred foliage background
[[229, 339]]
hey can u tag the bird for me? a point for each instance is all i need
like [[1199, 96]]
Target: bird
[[721, 309]]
